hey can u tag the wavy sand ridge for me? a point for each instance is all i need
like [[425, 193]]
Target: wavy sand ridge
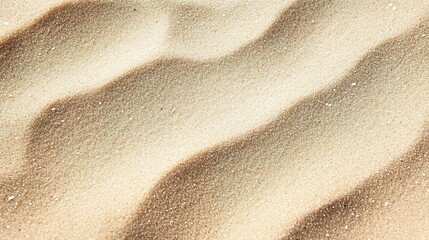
[[390, 205], [312, 153], [110, 112]]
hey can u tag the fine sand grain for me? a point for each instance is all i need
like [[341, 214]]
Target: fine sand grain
[[197, 119]]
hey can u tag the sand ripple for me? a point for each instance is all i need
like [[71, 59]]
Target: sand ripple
[[203, 120]]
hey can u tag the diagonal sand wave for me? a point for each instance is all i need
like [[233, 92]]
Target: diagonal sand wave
[[309, 155], [103, 49], [391, 202], [101, 126], [73, 77]]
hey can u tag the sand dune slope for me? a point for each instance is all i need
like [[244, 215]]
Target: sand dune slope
[[213, 120]]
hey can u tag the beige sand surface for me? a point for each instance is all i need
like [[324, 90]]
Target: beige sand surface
[[213, 119]]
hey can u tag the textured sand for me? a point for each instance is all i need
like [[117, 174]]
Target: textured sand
[[197, 119]]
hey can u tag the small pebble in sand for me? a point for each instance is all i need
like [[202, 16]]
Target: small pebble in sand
[[392, 6]]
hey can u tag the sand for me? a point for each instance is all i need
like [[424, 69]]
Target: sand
[[197, 119]]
